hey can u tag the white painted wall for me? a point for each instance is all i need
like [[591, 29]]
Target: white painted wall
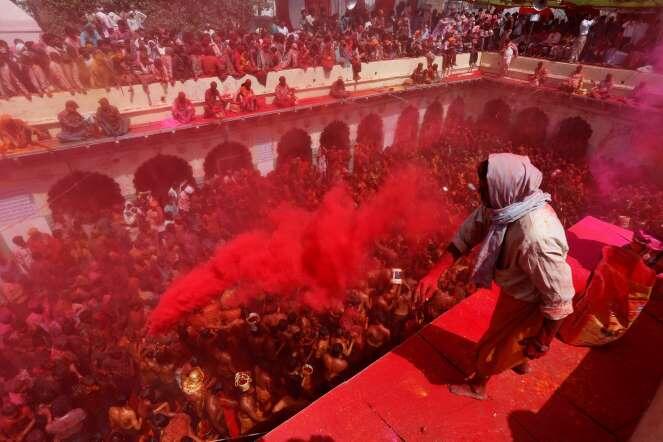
[[155, 105], [36, 175]]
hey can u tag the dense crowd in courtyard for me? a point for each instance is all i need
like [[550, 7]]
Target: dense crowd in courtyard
[[79, 364]]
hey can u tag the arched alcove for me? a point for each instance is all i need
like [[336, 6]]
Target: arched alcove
[[371, 131], [529, 127], [160, 173], [455, 112], [227, 157], [407, 129], [572, 137], [295, 143], [431, 127], [85, 196]]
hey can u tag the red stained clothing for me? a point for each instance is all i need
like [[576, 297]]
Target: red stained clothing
[[210, 65]]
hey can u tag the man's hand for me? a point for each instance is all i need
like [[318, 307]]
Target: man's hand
[[427, 286]]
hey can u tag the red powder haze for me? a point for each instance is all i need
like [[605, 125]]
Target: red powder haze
[[316, 255]]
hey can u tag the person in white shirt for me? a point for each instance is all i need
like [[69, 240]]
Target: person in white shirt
[[628, 27], [635, 30], [523, 250], [282, 29], [309, 19], [135, 20], [509, 52], [113, 18], [106, 22], [585, 26], [139, 16]]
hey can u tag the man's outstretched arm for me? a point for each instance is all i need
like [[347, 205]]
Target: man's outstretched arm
[[428, 285]]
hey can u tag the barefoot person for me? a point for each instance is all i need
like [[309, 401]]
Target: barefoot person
[[524, 250], [246, 98], [509, 53]]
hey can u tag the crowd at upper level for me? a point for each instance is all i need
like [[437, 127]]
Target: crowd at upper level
[[111, 48]]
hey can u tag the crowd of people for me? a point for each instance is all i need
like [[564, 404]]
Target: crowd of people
[[121, 49], [79, 365], [577, 84], [15, 134]]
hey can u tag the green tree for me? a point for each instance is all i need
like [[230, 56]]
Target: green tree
[[54, 15]]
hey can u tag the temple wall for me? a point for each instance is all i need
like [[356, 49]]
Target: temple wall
[[153, 104], [29, 179], [522, 67]]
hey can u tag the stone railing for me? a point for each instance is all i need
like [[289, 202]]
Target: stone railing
[[155, 105], [522, 68]]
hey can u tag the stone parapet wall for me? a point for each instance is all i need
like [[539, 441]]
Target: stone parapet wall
[[522, 67], [27, 180], [145, 107], [155, 105]]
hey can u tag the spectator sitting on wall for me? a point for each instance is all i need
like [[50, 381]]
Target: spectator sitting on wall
[[433, 73], [603, 88], [539, 76], [215, 104], [246, 99], [574, 83], [74, 127], [284, 95], [338, 89], [418, 76], [110, 121], [183, 110], [17, 134]]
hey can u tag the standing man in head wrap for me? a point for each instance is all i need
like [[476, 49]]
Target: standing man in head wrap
[[524, 251]]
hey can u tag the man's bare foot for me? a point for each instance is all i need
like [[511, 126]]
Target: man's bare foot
[[523, 368], [477, 392]]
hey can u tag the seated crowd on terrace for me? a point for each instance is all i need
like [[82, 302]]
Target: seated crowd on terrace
[[113, 49]]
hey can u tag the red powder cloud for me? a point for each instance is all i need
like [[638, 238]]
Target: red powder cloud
[[317, 255]]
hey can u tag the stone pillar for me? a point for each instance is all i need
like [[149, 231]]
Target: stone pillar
[[198, 169], [389, 123]]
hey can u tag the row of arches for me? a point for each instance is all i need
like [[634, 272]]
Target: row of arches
[[84, 194], [530, 125]]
